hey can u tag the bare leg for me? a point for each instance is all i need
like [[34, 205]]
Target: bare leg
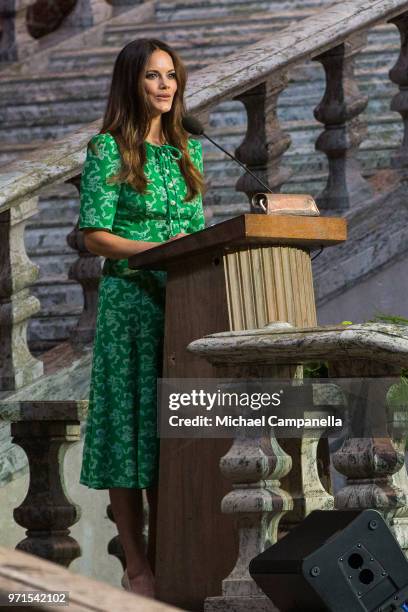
[[152, 496], [127, 509]]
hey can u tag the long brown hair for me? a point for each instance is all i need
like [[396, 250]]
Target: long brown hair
[[127, 116]]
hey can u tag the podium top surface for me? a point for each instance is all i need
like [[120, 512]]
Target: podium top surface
[[243, 231]]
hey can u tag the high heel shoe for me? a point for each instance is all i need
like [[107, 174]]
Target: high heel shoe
[[125, 581]]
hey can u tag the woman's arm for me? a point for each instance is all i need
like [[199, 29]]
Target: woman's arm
[[102, 242]]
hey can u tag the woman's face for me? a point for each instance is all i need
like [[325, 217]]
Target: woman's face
[[160, 82]]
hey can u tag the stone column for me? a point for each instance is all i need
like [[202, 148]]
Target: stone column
[[44, 433], [339, 109], [255, 467], [16, 42], [304, 481], [397, 402], [86, 14], [17, 366], [86, 270], [119, 5], [373, 464], [265, 142], [399, 75]]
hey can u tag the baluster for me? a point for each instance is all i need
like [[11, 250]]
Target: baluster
[[86, 270], [398, 418], [399, 75], [125, 4], [265, 142], [372, 465], [339, 109], [86, 14], [15, 40], [17, 366], [254, 466], [44, 433], [304, 481]]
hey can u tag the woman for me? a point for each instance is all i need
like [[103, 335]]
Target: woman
[[141, 185]]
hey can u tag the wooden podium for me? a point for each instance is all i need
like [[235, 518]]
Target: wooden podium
[[240, 274]]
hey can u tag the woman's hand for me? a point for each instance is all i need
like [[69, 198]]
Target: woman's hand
[[179, 235]]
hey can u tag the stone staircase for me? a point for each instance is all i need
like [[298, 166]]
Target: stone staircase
[[72, 92]]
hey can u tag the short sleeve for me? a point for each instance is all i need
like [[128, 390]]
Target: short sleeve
[[197, 154], [197, 221], [98, 198]]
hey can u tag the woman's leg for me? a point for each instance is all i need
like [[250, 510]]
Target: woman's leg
[[152, 494], [127, 509]]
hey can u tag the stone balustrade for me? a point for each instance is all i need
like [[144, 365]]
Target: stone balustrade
[[374, 467]]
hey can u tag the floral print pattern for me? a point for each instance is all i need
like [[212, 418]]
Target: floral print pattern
[[121, 447]]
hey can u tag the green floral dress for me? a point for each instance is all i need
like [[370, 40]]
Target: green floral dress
[[121, 447]]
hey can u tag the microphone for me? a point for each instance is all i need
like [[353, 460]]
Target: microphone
[[195, 127], [307, 205]]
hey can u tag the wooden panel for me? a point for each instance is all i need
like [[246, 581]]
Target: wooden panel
[[293, 229], [242, 231], [190, 562]]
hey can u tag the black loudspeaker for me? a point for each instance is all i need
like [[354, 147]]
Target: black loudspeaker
[[344, 561]]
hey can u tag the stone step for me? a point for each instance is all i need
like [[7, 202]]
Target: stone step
[[61, 304], [93, 84], [234, 124], [45, 331], [21, 123], [56, 86], [44, 86], [209, 46], [308, 162], [55, 292], [51, 197], [304, 130], [46, 238], [53, 264], [304, 174], [187, 9], [377, 55], [61, 113], [197, 30]]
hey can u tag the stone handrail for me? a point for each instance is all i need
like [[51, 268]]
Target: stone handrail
[[229, 78], [24, 573], [390, 343]]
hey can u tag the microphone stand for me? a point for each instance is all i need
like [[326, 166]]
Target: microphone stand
[[242, 166]]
